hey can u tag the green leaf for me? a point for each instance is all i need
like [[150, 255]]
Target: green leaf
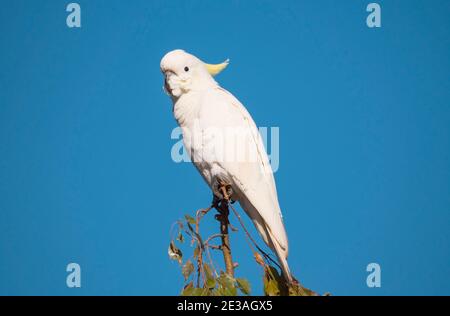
[[227, 285], [244, 286], [271, 288], [190, 290], [187, 269], [299, 290], [210, 281], [195, 291], [274, 283], [230, 291], [206, 292], [208, 272], [216, 292], [200, 292], [190, 219], [187, 290], [175, 253], [270, 284], [226, 280]]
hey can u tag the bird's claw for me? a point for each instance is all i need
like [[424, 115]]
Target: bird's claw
[[222, 191]]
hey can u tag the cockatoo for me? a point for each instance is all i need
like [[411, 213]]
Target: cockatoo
[[204, 110]]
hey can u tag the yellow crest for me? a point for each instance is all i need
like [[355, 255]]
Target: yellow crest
[[216, 69]]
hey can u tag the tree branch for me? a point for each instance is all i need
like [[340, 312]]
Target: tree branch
[[222, 217]]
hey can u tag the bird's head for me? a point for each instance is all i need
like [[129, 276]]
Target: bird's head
[[184, 72]]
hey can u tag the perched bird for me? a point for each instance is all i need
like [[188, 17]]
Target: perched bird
[[213, 122]]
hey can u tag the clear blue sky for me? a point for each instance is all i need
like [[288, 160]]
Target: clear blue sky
[[86, 174]]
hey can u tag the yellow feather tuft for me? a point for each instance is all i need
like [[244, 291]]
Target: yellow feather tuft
[[216, 69]]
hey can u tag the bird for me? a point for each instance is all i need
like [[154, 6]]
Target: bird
[[212, 122]]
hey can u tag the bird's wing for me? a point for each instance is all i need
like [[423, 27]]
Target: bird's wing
[[254, 178]]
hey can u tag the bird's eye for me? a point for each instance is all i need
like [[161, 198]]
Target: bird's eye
[[186, 69]]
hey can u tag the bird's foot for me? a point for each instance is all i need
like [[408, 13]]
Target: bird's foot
[[222, 191]]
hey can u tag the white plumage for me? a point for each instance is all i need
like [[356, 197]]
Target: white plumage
[[215, 125]]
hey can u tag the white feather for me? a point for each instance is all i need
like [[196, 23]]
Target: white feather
[[205, 108]]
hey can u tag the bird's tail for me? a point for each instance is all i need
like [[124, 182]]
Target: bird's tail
[[282, 258], [280, 245]]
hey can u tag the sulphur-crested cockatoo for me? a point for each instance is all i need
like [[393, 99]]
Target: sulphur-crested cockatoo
[[214, 123]]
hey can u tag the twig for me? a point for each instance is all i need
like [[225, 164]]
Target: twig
[[226, 249], [207, 246], [211, 237], [200, 271], [211, 261]]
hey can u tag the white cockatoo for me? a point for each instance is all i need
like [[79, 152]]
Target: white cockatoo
[[212, 120]]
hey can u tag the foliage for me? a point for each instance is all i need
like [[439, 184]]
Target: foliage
[[223, 285], [207, 281], [201, 278], [275, 285]]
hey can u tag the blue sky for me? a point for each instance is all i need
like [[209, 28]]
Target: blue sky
[[86, 174]]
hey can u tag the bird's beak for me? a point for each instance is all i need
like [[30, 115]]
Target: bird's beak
[[216, 69]]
